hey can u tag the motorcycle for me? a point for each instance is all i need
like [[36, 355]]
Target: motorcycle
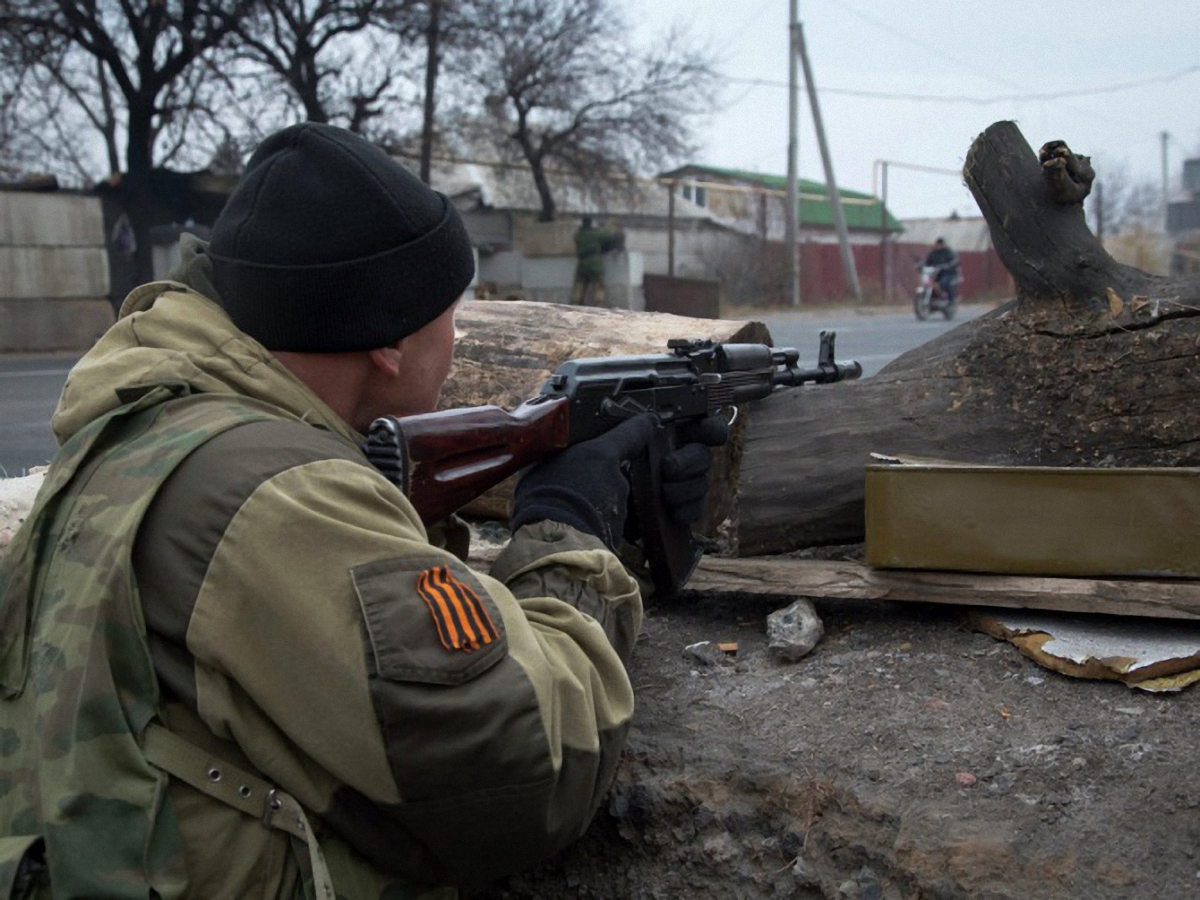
[[930, 296]]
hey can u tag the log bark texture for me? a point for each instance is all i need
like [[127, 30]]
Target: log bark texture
[[1093, 363]]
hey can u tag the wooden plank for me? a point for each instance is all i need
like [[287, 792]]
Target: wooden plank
[[837, 580]]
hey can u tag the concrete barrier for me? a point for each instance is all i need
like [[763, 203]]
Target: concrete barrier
[[54, 276], [35, 219], [623, 274], [50, 273]]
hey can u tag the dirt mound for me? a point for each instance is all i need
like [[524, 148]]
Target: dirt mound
[[906, 757]]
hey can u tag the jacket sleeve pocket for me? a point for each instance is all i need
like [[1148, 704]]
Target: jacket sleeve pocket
[[428, 619]]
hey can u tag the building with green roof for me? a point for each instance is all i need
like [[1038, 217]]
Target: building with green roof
[[755, 203]]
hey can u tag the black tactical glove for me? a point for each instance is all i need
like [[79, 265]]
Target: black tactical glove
[[684, 473], [585, 486]]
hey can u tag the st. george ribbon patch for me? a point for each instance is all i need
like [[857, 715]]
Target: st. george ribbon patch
[[461, 619]]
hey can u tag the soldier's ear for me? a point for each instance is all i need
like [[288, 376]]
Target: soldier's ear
[[387, 359]]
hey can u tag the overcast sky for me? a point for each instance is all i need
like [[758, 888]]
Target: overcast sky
[[989, 59]]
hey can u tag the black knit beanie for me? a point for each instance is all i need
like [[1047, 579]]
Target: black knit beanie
[[329, 245]]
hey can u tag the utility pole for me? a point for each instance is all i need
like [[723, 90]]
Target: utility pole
[[671, 231], [792, 219], [835, 199], [883, 237], [1165, 178]]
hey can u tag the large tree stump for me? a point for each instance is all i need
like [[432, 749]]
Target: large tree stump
[[1094, 363]]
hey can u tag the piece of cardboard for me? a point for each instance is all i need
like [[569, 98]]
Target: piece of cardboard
[[1146, 654], [1032, 520]]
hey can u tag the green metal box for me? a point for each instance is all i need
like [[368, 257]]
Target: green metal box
[[1032, 520]]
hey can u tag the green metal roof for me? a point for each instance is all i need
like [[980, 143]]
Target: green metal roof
[[815, 208]]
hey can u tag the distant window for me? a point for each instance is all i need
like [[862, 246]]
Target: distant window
[[693, 192]]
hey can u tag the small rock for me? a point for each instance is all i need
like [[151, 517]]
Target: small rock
[[494, 532], [791, 843], [618, 805], [704, 652], [1004, 783], [804, 874], [793, 632], [965, 779], [1129, 732]]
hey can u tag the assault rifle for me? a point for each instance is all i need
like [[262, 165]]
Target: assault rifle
[[443, 460]]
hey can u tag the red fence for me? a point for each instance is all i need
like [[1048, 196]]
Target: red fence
[[823, 279]]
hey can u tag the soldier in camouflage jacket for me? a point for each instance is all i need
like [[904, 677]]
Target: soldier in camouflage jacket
[[232, 662]]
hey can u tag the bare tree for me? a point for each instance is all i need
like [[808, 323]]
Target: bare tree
[[341, 60], [127, 70], [433, 50], [561, 87], [1128, 200], [450, 32], [751, 271], [1131, 209]]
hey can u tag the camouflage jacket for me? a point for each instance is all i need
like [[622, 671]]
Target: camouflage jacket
[[590, 246], [274, 601]]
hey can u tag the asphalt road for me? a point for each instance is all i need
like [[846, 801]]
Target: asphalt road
[[871, 337], [30, 383], [29, 389]]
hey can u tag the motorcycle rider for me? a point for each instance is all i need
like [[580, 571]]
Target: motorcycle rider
[[948, 268]]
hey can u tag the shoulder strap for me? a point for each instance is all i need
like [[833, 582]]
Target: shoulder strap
[[233, 786]]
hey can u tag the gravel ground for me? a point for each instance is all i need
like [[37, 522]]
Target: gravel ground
[[907, 756]]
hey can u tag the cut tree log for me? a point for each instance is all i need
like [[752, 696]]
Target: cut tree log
[[505, 351], [1093, 363]]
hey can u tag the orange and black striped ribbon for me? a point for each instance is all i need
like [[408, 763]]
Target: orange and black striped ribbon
[[461, 619]]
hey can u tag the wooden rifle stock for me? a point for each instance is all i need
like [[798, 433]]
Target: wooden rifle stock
[[446, 459]]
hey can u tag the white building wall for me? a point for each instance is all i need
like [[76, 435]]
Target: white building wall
[[54, 276]]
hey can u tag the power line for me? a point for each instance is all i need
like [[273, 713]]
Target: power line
[[978, 101], [938, 51], [932, 48], [749, 20]]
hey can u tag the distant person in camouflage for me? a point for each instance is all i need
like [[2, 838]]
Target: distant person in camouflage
[[233, 661], [591, 243]]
